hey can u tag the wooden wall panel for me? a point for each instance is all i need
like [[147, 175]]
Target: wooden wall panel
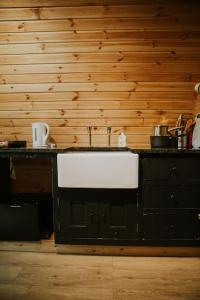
[[126, 64], [61, 3]]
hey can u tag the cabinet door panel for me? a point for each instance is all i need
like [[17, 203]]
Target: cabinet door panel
[[171, 226], [171, 197], [5, 180], [78, 213], [165, 168], [118, 214]]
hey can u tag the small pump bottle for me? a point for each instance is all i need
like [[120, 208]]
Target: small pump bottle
[[122, 140]]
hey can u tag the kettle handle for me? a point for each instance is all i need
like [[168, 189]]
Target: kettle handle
[[47, 133], [197, 116]]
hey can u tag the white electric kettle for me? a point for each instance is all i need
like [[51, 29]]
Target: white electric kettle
[[40, 134], [196, 133]]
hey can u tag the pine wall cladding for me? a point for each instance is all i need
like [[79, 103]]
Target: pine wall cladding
[[75, 63]]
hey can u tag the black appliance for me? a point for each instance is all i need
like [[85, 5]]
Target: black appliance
[[26, 217]]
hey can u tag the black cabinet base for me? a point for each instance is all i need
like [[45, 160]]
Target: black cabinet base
[[27, 217], [111, 242], [99, 216]]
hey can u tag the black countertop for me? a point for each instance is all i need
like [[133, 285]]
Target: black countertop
[[28, 152], [52, 152], [154, 150]]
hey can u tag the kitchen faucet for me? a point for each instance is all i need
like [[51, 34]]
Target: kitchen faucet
[[109, 135], [90, 135]]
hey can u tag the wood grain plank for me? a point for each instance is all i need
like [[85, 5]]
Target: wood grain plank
[[98, 35], [84, 114], [145, 27], [98, 12], [98, 67], [168, 45], [101, 77], [65, 122], [105, 86], [122, 57], [49, 3], [22, 130], [114, 105], [82, 96], [83, 139]]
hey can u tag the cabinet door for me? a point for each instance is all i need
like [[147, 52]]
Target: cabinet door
[[78, 214], [171, 226], [118, 214], [4, 180]]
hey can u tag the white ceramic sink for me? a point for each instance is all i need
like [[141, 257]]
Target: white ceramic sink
[[98, 169]]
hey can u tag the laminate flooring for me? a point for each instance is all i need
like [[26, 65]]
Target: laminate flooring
[[51, 276]]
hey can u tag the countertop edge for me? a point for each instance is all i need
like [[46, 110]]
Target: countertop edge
[[54, 151]]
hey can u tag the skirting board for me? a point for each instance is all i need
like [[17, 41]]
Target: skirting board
[[128, 250], [48, 246]]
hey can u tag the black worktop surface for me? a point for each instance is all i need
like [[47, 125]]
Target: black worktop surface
[[54, 151], [28, 152], [155, 150]]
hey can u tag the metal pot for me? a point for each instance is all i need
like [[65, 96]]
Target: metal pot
[[160, 141], [164, 130], [160, 130]]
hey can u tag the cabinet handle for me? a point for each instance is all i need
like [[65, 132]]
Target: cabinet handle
[[173, 198], [104, 218], [174, 171], [91, 215]]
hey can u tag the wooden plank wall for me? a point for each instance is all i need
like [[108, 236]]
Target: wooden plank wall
[[78, 63]]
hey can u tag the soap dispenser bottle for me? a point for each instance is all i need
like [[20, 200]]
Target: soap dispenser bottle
[[122, 140]]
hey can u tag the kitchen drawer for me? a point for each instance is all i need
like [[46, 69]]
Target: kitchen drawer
[[171, 196], [167, 168], [171, 226]]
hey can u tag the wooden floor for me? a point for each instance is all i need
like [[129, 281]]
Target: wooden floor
[[42, 276], [48, 246]]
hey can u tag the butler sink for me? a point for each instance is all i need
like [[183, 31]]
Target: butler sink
[[98, 169]]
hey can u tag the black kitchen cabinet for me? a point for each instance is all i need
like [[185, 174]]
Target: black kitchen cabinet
[[4, 180], [171, 201], [27, 217], [96, 216], [163, 211], [24, 215]]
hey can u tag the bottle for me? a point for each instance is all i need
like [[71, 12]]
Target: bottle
[[122, 140]]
